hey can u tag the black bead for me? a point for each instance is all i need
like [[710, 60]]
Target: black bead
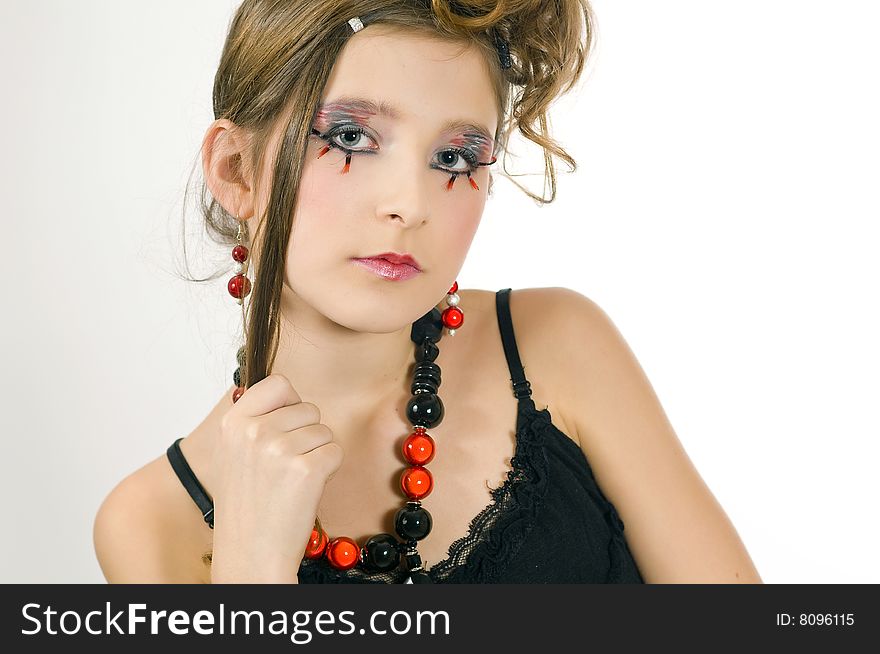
[[429, 326], [426, 351], [425, 409], [413, 561], [236, 376], [412, 523], [426, 378], [428, 370], [240, 356], [423, 387], [380, 553]]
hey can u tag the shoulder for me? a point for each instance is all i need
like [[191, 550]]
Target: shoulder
[[538, 316], [594, 375], [579, 349], [550, 323], [675, 527], [140, 532], [542, 319]]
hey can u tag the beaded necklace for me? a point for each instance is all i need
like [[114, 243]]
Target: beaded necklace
[[424, 410]]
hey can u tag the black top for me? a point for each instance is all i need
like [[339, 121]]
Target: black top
[[549, 522]]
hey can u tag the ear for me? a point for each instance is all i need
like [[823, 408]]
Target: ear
[[227, 168]]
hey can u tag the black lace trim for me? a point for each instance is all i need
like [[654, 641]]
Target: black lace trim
[[494, 535]]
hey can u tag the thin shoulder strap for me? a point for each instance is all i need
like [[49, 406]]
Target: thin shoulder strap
[[521, 386], [190, 482]]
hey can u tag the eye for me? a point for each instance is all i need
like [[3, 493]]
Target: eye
[[354, 139], [448, 158], [350, 139]]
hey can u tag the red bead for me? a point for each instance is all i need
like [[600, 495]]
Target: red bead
[[237, 393], [240, 253], [343, 553], [416, 482], [453, 318], [317, 544], [454, 288], [239, 286], [418, 448]]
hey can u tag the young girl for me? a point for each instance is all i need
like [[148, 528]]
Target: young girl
[[381, 427]]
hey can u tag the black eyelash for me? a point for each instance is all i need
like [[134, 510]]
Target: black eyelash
[[466, 154]]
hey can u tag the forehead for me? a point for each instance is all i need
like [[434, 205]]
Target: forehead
[[413, 77]]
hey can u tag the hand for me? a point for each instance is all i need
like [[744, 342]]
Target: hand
[[270, 464]]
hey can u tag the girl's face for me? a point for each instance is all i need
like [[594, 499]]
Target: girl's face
[[391, 167]]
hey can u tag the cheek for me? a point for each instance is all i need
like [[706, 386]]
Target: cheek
[[320, 225], [457, 221]]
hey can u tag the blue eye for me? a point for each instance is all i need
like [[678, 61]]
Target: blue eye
[[349, 139], [454, 155]]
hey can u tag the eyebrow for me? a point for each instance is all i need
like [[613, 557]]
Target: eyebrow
[[363, 108]]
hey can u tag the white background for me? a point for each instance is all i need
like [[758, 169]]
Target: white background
[[724, 214]]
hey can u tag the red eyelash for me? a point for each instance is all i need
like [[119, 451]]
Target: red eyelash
[[348, 154], [327, 148], [470, 179]]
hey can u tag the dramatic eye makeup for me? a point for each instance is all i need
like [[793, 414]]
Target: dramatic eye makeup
[[347, 129]]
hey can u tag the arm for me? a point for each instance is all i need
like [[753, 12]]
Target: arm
[[676, 529]]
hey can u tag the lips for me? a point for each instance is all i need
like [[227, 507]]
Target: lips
[[387, 270], [394, 257]]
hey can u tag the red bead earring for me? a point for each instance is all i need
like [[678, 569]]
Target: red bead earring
[[452, 316], [239, 287]]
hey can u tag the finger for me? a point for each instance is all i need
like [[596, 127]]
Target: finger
[[295, 416], [306, 439], [270, 393], [326, 458]]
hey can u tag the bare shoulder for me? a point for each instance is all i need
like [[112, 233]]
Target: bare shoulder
[[143, 533], [535, 314], [540, 316], [675, 527]]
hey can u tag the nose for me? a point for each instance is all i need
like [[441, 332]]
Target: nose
[[405, 197], [410, 208]]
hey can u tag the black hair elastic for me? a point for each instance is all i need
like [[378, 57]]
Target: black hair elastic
[[503, 48]]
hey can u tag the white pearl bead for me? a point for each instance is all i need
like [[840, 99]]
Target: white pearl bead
[[451, 332], [452, 299], [239, 268]]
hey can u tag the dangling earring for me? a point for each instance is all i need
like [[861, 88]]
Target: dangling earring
[[239, 287], [453, 317]]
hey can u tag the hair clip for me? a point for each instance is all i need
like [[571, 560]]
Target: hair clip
[[503, 47]]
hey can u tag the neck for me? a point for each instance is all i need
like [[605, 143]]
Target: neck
[[354, 376]]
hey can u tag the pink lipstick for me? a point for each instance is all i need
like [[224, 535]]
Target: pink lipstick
[[391, 266]]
